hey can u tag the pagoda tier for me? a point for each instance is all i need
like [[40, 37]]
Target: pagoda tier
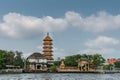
[[47, 43], [49, 57], [48, 54], [47, 48]]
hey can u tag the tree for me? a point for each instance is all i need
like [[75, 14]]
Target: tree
[[97, 60], [2, 59], [72, 60], [53, 68], [9, 57], [18, 61], [117, 64]]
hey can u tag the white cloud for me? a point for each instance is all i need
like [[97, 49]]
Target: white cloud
[[98, 50], [102, 41], [16, 25], [100, 22], [101, 45], [40, 47]]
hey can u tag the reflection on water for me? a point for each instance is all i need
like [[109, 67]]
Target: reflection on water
[[60, 76]]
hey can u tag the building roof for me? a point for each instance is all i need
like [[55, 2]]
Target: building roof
[[48, 54], [47, 50], [50, 47], [36, 55], [47, 38], [111, 60]]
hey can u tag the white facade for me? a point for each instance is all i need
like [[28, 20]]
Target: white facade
[[38, 60]]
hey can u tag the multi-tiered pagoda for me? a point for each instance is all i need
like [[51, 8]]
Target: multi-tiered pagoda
[[47, 48]]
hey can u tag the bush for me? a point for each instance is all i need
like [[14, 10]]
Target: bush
[[53, 68]]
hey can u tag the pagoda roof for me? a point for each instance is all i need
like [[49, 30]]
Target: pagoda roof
[[47, 50], [47, 38], [48, 54], [49, 58], [47, 47], [47, 43]]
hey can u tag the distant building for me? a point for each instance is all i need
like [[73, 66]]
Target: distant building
[[47, 49], [62, 65], [118, 60], [37, 62], [85, 65], [111, 60]]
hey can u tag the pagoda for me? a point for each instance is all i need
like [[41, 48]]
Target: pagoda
[[47, 47]]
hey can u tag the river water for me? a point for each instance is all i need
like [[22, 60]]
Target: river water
[[60, 76]]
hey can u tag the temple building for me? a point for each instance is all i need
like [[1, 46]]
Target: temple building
[[37, 62], [85, 65], [41, 62], [47, 48], [62, 65]]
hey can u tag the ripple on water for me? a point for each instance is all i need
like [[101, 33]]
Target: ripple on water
[[60, 76]]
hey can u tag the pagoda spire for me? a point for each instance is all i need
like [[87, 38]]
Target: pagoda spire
[[47, 33]]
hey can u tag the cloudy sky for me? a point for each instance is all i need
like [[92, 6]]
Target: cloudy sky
[[76, 26]]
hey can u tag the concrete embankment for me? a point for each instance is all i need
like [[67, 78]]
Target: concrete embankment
[[11, 71]]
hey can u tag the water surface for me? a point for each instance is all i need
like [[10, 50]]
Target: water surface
[[60, 76]]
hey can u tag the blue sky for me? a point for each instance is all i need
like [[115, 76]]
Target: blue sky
[[77, 27]]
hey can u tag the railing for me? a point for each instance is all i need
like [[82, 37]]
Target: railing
[[11, 70]]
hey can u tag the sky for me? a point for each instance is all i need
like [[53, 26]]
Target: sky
[[76, 26]]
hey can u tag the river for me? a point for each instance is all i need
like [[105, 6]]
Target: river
[[60, 76]]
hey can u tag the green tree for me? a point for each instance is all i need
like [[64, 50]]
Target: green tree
[[18, 60], [97, 60], [117, 64], [9, 57], [72, 60], [108, 67], [2, 59], [53, 68], [88, 57]]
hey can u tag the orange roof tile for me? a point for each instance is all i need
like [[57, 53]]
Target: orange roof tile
[[47, 38]]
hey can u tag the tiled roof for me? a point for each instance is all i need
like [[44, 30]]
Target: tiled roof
[[49, 58], [47, 38], [36, 55]]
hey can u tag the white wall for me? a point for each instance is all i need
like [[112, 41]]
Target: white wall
[[38, 60]]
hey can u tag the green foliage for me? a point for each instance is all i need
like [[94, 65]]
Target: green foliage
[[53, 68], [9, 58], [72, 60], [108, 67], [117, 64], [97, 60], [57, 63], [2, 59], [18, 61]]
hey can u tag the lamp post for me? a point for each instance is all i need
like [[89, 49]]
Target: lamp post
[[58, 59], [113, 66]]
